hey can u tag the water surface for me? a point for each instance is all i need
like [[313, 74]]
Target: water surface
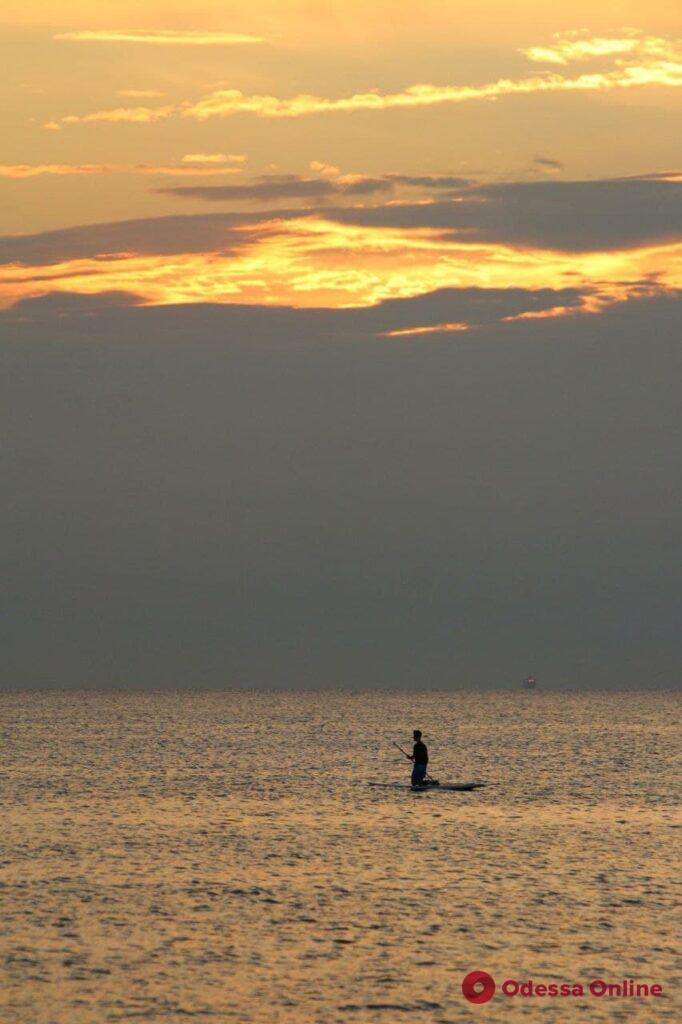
[[219, 856]]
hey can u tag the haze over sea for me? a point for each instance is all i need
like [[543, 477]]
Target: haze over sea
[[219, 856]]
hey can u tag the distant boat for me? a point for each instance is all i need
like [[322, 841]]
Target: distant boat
[[529, 683]]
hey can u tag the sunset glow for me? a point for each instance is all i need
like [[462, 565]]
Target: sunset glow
[[340, 345], [308, 263], [158, 37], [313, 211], [632, 62]]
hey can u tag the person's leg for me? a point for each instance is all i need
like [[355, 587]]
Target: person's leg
[[418, 774]]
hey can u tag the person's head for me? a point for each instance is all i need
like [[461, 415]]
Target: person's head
[[417, 735]]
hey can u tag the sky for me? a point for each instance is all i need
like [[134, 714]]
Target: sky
[[340, 343]]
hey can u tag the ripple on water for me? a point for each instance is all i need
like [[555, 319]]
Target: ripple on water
[[144, 878]]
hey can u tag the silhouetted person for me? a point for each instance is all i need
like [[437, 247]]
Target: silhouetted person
[[420, 756]]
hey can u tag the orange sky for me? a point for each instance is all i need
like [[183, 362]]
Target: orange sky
[[310, 106]]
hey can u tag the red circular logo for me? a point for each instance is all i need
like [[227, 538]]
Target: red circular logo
[[478, 987]]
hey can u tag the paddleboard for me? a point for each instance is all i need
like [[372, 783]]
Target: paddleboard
[[459, 787]]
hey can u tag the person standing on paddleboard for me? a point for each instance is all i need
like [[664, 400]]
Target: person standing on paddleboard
[[420, 757]]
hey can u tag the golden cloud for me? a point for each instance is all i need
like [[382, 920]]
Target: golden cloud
[[38, 170], [446, 328], [159, 37], [655, 62], [132, 115], [579, 46], [214, 158], [226, 103], [326, 170], [307, 263]]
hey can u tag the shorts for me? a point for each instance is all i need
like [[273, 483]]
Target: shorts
[[418, 773]]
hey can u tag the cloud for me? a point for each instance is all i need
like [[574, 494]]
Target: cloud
[[160, 37], [436, 312], [157, 236], [328, 170], [38, 170], [449, 327], [453, 309], [73, 304], [228, 102], [575, 216], [429, 181], [580, 46], [290, 186], [649, 61], [672, 176], [129, 115], [214, 158], [655, 61], [609, 239], [548, 163], [331, 184]]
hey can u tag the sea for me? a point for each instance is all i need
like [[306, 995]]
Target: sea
[[219, 856]]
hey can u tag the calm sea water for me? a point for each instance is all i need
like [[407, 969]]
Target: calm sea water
[[219, 856]]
